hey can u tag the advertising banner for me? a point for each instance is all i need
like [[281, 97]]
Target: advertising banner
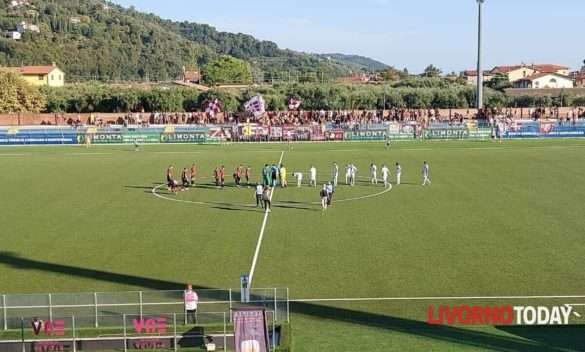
[[38, 137], [296, 133], [366, 135], [250, 330], [275, 133], [480, 133], [523, 129], [334, 135], [105, 138], [453, 132], [552, 129], [184, 137], [397, 131]]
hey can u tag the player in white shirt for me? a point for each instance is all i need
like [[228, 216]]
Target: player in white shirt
[[426, 174], [374, 174], [299, 177], [313, 176], [385, 176], [352, 174], [398, 173], [348, 174], [335, 174]]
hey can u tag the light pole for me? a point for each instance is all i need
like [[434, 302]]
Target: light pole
[[479, 63]]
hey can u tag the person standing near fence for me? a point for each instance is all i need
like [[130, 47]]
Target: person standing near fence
[[191, 299]]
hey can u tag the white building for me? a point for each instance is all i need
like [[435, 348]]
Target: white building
[[23, 27], [14, 35], [545, 80], [18, 3]]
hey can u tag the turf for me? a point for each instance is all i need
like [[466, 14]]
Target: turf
[[499, 219]]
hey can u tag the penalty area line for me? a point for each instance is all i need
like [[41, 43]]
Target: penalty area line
[[261, 235]]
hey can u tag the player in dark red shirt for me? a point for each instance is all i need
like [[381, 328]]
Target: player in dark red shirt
[[222, 176], [248, 175], [216, 176], [171, 184], [193, 174]]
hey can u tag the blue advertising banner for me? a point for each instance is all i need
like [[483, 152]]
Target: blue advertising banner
[[39, 137]]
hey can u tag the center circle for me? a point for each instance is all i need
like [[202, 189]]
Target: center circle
[[284, 196]]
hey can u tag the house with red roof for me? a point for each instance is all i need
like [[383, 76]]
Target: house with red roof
[[518, 72], [51, 75], [545, 80]]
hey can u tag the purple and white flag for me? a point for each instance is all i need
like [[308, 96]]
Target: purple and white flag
[[294, 104], [256, 106], [250, 330], [213, 107]]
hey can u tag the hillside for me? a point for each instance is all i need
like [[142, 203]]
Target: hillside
[[93, 39], [357, 62]]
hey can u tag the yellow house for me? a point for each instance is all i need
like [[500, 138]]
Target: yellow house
[[50, 76]]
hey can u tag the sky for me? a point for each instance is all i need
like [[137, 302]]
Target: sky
[[401, 33]]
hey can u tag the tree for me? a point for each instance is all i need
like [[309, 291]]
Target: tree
[[432, 71], [17, 95], [392, 74], [227, 69], [499, 82]]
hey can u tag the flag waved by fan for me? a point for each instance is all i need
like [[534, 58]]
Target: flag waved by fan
[[213, 107], [256, 106], [294, 104]]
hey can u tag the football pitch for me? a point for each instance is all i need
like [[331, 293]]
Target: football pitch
[[500, 221]]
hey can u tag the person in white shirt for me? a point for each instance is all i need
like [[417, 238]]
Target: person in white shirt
[[353, 174], [335, 174], [398, 173], [191, 299], [426, 174], [299, 177], [259, 191], [348, 174], [385, 176], [374, 174], [313, 176]]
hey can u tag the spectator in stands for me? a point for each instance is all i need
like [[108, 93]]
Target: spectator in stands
[[191, 300]]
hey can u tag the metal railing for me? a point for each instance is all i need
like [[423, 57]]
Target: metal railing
[[99, 305], [127, 331]]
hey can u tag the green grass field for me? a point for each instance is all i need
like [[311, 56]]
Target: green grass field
[[498, 220]]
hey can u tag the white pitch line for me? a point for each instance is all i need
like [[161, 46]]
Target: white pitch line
[[89, 154], [178, 152], [447, 298], [261, 236]]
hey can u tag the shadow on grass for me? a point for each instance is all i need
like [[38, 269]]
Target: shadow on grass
[[568, 338]]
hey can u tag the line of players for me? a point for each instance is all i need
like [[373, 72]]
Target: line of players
[[273, 175]]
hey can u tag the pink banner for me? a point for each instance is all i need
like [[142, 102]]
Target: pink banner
[[250, 330]]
